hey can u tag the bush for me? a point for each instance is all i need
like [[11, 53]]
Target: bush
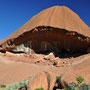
[[66, 88], [57, 79], [79, 80], [84, 87], [79, 85], [39, 89], [73, 86], [2, 86], [89, 88], [21, 84]]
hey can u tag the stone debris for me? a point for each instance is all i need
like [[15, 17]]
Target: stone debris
[[41, 59], [58, 63]]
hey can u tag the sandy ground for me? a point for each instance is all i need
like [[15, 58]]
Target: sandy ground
[[11, 71]]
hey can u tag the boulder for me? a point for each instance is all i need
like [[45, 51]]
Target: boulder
[[46, 57], [32, 56], [45, 80], [40, 81], [67, 78], [51, 56], [58, 63], [57, 58], [51, 79], [62, 83]]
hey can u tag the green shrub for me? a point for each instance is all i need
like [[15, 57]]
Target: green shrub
[[89, 88], [15, 86], [84, 87], [73, 86], [66, 88], [79, 85], [57, 78], [79, 80], [39, 89], [2, 86]]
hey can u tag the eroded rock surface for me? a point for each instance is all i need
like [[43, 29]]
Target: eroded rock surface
[[45, 80]]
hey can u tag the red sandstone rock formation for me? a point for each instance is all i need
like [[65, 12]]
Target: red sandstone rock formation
[[45, 80], [57, 23]]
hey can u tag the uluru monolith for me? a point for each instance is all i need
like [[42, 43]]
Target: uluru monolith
[[52, 30]]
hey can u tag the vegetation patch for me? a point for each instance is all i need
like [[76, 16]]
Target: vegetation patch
[[39, 89], [57, 79], [79, 85], [15, 86], [2, 86]]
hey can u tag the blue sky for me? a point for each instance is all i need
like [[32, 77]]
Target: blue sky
[[14, 13]]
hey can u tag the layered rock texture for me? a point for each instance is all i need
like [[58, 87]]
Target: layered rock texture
[[55, 29]]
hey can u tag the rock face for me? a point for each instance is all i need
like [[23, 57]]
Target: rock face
[[50, 30], [45, 80], [51, 79], [40, 81]]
